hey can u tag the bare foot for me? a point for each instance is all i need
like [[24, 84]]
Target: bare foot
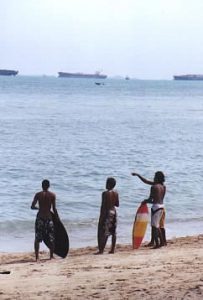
[[149, 245], [156, 247], [98, 253]]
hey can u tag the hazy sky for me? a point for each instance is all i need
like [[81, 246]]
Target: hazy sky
[[147, 39]]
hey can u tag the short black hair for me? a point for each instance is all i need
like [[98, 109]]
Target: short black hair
[[45, 184], [111, 182]]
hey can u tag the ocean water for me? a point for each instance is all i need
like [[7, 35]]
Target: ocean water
[[76, 134]]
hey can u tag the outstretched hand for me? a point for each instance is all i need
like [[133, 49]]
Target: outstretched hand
[[134, 174]]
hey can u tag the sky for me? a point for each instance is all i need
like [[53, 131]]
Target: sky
[[144, 39]]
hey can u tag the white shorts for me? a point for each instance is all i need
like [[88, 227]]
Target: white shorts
[[156, 217]]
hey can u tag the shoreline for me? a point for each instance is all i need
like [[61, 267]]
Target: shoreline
[[171, 272], [20, 243]]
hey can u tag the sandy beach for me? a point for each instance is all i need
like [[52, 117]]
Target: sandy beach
[[171, 272]]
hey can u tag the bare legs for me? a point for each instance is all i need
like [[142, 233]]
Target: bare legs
[[113, 244], [102, 240], [163, 233], [36, 246], [158, 237], [151, 243], [51, 250]]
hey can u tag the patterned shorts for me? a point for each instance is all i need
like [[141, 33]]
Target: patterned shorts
[[110, 223], [44, 230]]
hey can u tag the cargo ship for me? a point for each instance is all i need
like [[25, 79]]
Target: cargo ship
[[188, 77], [96, 75], [8, 72]]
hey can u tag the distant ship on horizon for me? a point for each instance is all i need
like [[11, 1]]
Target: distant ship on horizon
[[96, 75], [8, 72], [188, 77]]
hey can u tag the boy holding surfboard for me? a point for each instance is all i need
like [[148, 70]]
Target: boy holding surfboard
[[156, 198], [44, 226], [108, 216]]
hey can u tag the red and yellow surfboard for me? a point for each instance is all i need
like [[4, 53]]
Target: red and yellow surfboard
[[140, 225]]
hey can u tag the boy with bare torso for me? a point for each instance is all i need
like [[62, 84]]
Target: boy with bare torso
[[156, 198], [108, 216], [44, 226]]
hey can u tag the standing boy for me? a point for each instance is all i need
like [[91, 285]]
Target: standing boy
[[156, 198], [108, 216], [44, 226]]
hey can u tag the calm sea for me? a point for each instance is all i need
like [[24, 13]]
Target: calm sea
[[76, 134]]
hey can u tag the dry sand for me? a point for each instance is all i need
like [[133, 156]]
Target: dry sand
[[172, 272]]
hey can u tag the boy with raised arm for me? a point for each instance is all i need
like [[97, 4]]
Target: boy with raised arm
[[156, 198]]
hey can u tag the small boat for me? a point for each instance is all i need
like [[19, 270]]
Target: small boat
[[188, 77], [99, 83], [8, 72]]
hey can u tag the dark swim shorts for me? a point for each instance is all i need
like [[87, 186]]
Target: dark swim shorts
[[44, 230]]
